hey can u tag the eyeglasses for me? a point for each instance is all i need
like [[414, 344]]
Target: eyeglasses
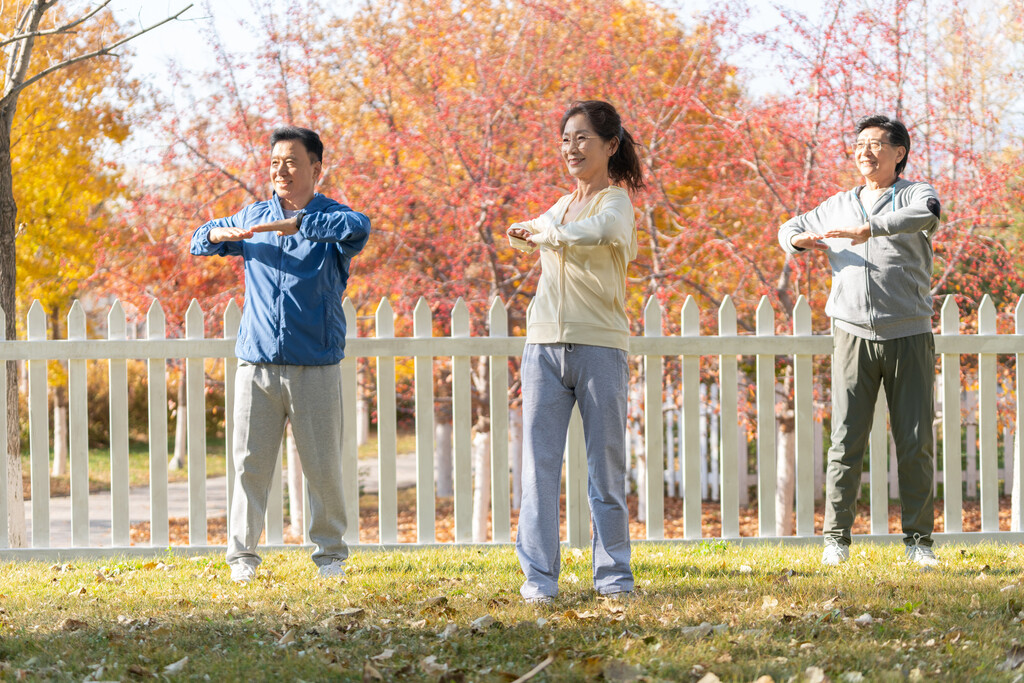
[[873, 145], [581, 141]]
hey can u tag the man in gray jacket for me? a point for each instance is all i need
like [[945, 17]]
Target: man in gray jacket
[[878, 240]]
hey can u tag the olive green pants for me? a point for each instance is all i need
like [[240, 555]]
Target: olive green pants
[[906, 368]]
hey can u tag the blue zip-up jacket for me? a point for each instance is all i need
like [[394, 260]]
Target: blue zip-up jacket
[[294, 284]]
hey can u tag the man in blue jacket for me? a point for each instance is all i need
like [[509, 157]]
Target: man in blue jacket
[[296, 247]]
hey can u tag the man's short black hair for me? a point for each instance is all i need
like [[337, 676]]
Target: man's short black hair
[[896, 131], [309, 139]]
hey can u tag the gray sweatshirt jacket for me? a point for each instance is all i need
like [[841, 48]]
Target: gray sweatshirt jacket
[[881, 288]]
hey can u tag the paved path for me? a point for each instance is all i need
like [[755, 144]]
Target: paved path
[[177, 503]]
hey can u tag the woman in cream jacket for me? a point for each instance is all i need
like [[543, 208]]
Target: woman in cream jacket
[[576, 341]]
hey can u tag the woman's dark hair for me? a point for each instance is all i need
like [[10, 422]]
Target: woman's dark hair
[[309, 139], [896, 131], [624, 166]]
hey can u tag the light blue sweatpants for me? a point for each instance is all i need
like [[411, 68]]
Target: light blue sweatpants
[[556, 376], [310, 397]]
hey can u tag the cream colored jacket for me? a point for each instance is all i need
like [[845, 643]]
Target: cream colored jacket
[[582, 291]]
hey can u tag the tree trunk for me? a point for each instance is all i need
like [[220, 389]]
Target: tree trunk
[[8, 298], [180, 458], [296, 493], [481, 484]]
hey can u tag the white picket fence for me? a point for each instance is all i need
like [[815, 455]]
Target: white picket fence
[[727, 346]]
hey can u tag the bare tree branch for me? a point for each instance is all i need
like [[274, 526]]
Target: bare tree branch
[[220, 169], [61, 29], [108, 50]]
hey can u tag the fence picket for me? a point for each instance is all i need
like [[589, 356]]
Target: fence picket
[[1017, 505], [232, 321], [729, 470], [39, 433], [462, 430], [78, 432], [689, 430], [195, 389], [387, 446], [423, 372], [766, 456], [952, 477], [501, 513], [654, 428], [159, 526], [988, 421], [803, 407], [350, 433]]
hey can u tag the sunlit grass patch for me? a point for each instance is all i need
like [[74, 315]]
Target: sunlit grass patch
[[738, 612]]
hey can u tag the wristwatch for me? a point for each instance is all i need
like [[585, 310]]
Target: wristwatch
[[298, 218]]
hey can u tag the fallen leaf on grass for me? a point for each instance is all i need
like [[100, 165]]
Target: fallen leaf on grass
[[370, 673], [620, 672], [72, 625], [815, 674], [483, 623], [1014, 658], [387, 654], [449, 631], [765, 679], [769, 602], [975, 601], [139, 671], [432, 667], [177, 667], [864, 620], [709, 677], [852, 677], [287, 638], [81, 590]]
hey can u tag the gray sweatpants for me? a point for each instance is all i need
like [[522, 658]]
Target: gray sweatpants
[[906, 367], [266, 396], [556, 376]]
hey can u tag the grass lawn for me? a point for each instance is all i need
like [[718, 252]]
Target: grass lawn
[[138, 467], [454, 614]]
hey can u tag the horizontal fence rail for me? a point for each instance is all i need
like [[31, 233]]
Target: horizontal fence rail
[[674, 454]]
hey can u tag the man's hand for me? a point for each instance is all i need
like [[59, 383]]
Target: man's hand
[[808, 240], [520, 233], [218, 235], [856, 235], [286, 226]]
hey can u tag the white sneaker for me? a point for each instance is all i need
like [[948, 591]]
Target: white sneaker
[[921, 555], [333, 570], [539, 600], [242, 573], [835, 553]]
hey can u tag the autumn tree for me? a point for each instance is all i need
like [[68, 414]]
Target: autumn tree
[[39, 42]]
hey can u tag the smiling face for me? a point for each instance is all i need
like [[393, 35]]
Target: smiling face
[[876, 157], [584, 152], [293, 173]]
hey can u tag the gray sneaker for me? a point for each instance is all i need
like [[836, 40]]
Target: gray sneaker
[[921, 555], [539, 600], [242, 573], [332, 570], [835, 553]]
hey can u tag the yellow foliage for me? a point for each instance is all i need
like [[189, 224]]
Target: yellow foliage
[[64, 158]]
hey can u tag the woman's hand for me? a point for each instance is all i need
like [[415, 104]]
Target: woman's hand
[[520, 233]]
